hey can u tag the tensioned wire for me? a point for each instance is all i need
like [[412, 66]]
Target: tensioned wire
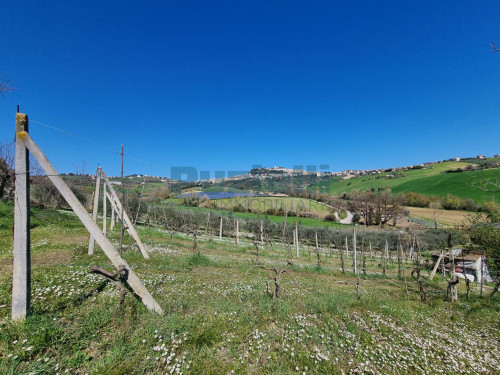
[[65, 132]]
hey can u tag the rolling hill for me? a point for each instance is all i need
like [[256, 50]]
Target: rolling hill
[[432, 180]]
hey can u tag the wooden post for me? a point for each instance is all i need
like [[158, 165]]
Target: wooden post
[[113, 255], [237, 239], [354, 267], [297, 239], [104, 209], [21, 270], [261, 235], [443, 271], [482, 275], [95, 208], [346, 247], [130, 227], [220, 230], [453, 277]]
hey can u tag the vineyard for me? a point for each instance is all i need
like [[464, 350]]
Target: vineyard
[[220, 314], [161, 288]]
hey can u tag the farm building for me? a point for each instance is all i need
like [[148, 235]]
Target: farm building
[[473, 264]]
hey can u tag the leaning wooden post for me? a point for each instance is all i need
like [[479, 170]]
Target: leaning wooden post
[[80, 211], [114, 210], [220, 229], [104, 209], [21, 270], [436, 266], [354, 267], [95, 208], [130, 227]]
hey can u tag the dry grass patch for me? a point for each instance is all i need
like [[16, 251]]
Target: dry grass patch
[[445, 217]]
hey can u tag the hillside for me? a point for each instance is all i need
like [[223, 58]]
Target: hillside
[[430, 181], [219, 318]]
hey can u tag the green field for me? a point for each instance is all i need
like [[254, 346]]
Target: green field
[[430, 181]]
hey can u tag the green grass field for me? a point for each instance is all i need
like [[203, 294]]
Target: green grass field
[[219, 318], [431, 181]]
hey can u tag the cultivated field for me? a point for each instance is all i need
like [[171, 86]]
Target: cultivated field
[[219, 318], [445, 217]]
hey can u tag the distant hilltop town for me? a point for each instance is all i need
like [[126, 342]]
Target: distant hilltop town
[[476, 162], [348, 173]]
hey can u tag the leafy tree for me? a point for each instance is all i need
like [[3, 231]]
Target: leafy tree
[[483, 230]]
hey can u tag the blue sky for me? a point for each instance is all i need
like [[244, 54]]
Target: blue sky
[[225, 85]]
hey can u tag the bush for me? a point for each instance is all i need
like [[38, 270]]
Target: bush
[[330, 217], [416, 200], [452, 202]]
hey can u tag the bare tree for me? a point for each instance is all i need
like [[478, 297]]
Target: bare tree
[[6, 169], [494, 49]]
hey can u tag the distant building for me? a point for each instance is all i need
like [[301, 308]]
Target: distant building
[[496, 156], [480, 157], [456, 159]]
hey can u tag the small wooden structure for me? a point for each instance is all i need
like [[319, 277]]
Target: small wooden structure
[[472, 266]]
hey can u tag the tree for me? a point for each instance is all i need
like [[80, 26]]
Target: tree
[[484, 233]]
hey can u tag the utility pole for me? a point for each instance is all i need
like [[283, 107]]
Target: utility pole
[[121, 213]]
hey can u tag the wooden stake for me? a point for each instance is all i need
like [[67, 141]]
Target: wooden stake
[[261, 235], [220, 230], [95, 207], [237, 239], [113, 255], [130, 226], [21, 270], [104, 209], [297, 239], [354, 267]]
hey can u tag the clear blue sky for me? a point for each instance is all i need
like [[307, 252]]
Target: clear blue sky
[[224, 85]]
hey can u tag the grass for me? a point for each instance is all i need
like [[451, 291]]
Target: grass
[[218, 317], [429, 181]]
